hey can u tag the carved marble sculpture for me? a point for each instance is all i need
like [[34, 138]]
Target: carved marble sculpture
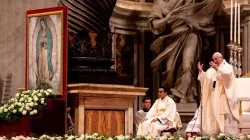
[[181, 26]]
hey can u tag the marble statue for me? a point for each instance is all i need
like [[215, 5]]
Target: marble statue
[[181, 26]]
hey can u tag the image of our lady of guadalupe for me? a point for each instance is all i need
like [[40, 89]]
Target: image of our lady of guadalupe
[[44, 47]]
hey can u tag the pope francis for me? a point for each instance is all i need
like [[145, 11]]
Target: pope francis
[[220, 112]]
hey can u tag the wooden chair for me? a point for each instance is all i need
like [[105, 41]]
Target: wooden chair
[[6, 89], [242, 90]]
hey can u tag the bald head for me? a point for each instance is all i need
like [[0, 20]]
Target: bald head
[[217, 58]]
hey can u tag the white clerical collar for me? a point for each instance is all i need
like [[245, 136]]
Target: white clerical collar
[[164, 98]]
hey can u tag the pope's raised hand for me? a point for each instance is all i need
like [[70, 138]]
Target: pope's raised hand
[[200, 66]]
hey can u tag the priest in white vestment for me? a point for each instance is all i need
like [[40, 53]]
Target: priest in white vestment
[[220, 113], [193, 126], [140, 115], [161, 116]]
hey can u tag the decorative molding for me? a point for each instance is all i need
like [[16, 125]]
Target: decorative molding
[[129, 19], [139, 6], [105, 90]]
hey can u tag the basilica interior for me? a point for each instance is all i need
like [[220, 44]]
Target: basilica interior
[[112, 79]]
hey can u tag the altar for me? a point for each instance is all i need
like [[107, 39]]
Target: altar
[[103, 109]]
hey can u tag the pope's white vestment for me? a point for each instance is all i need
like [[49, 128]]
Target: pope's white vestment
[[165, 111], [220, 113]]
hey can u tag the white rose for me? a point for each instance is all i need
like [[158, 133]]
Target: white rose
[[89, 137], [49, 90], [110, 138], [27, 108], [162, 138], [149, 137], [42, 102], [171, 138], [221, 134], [127, 137], [42, 99], [36, 104], [24, 112], [71, 137], [19, 138], [3, 138], [12, 99], [28, 138], [17, 95], [31, 113], [198, 138], [35, 111], [12, 106], [30, 99], [14, 111], [181, 138], [20, 109], [36, 99], [1, 110], [58, 138], [39, 94], [21, 99], [41, 90], [31, 104], [20, 104], [47, 93]]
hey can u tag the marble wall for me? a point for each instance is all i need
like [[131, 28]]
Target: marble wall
[[13, 36]]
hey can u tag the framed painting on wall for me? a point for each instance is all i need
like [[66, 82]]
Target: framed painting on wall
[[46, 49]]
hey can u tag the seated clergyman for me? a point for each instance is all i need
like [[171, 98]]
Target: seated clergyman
[[140, 115], [162, 116]]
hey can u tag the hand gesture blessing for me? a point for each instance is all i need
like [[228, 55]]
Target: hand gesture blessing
[[200, 66]]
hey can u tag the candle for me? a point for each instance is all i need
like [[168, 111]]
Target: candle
[[239, 24], [235, 18], [231, 22]]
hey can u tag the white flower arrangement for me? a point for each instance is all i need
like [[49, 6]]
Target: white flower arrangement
[[25, 103], [96, 136]]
